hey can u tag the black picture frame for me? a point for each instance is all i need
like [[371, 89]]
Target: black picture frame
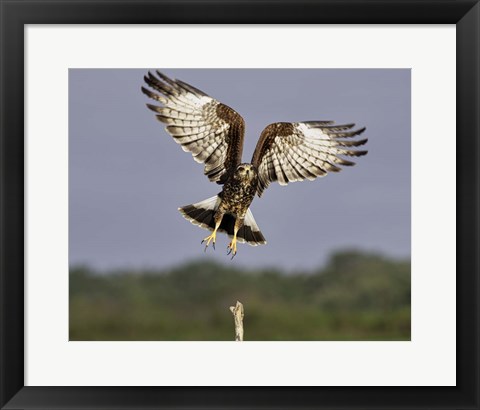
[[15, 14]]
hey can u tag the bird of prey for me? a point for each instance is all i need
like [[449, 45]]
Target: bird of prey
[[213, 133]]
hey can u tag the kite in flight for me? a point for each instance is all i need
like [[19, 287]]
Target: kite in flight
[[213, 133]]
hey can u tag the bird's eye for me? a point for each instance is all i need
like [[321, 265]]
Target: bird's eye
[[241, 169]]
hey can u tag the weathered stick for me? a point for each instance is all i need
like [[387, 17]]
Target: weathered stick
[[237, 312]]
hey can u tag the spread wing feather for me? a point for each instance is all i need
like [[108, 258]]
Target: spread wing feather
[[289, 152], [209, 130]]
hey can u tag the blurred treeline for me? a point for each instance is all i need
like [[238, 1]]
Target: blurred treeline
[[356, 296]]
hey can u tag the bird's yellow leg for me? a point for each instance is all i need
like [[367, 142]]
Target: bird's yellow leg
[[211, 238], [232, 247]]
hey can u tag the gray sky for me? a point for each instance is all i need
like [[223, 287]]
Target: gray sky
[[127, 176]]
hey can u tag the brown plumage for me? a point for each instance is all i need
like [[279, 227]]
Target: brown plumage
[[213, 133]]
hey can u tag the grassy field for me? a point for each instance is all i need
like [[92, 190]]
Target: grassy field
[[356, 296]]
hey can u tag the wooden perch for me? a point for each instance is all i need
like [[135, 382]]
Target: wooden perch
[[237, 312]]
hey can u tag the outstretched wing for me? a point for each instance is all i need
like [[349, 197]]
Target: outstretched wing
[[210, 130], [288, 152]]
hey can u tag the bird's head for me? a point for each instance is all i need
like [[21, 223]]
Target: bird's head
[[245, 172]]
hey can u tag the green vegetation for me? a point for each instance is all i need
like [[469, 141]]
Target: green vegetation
[[356, 296]]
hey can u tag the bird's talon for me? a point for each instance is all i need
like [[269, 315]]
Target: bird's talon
[[232, 248], [208, 239]]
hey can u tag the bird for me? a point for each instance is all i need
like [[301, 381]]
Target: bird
[[213, 133]]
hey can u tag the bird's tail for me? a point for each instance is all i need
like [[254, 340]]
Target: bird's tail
[[202, 213]]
